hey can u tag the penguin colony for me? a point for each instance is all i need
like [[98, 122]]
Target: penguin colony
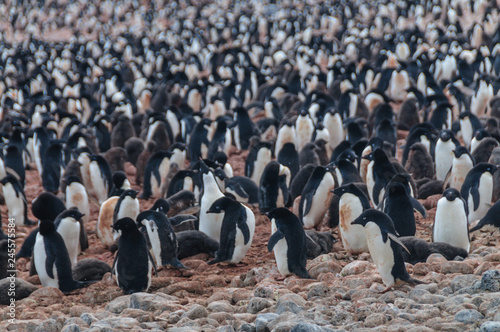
[[317, 94]]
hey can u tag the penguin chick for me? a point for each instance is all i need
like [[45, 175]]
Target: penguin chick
[[419, 163]]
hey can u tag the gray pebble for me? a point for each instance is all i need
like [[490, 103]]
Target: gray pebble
[[468, 316], [262, 320], [490, 327]]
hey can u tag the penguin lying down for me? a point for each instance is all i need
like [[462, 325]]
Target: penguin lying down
[[419, 250]]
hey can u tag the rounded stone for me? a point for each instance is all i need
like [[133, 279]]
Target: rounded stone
[[468, 316]]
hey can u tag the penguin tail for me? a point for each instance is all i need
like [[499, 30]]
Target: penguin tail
[[477, 227], [215, 261]]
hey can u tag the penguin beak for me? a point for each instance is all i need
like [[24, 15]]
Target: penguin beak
[[114, 227], [209, 211], [356, 222]]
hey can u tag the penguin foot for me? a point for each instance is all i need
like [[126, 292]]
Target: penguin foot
[[237, 264], [386, 290]]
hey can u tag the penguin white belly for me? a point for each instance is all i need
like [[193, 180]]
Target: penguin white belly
[[320, 202], [280, 200], [15, 204], [444, 158], [363, 166], [237, 141], [38, 159], [228, 170], [450, 224], [76, 196], [285, 135], [459, 171], [98, 183], [485, 196], [353, 236], [473, 144], [280, 254], [188, 184], [370, 180], [381, 252], [40, 257], [105, 220], [467, 132], [86, 177], [159, 189], [335, 128], [210, 223], [263, 158], [154, 239], [304, 131], [70, 232], [240, 248], [179, 158], [129, 207]]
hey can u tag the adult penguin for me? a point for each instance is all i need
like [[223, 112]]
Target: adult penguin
[[385, 248], [76, 196], [352, 203], [13, 161], [491, 218], [257, 159], [273, 189], [397, 205], [445, 146], [161, 238], [199, 141], [316, 196], [126, 206], [288, 241], [304, 129], [221, 139], [155, 175], [469, 123], [244, 128], [120, 183], [346, 172], [450, 223], [69, 224], [379, 172], [53, 167], [289, 158], [210, 224], [101, 178], [15, 199], [333, 123], [477, 190], [133, 262], [51, 259], [462, 164], [237, 230]]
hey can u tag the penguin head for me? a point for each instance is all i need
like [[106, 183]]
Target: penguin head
[[459, 151], [396, 188], [47, 206], [220, 158], [281, 215], [445, 135], [348, 154], [71, 213], [46, 227], [124, 225], [72, 179], [378, 217], [451, 194], [161, 205], [348, 188], [220, 174], [119, 179], [220, 205], [480, 134], [129, 192]]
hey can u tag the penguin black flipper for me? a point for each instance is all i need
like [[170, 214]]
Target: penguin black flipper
[[377, 188], [242, 225], [418, 207], [274, 239], [28, 245], [474, 192], [226, 247], [50, 260], [398, 241]]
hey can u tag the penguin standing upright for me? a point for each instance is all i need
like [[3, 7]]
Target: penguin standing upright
[[76, 196], [126, 206], [469, 123], [286, 134], [351, 204], [101, 178], [237, 230], [53, 167], [51, 259], [444, 153], [210, 224], [333, 123], [462, 164], [450, 223], [419, 163], [198, 142], [120, 183], [379, 172], [398, 206], [477, 190], [288, 241], [15, 200], [316, 196], [304, 129], [221, 140], [13, 160], [273, 188], [161, 237], [155, 175], [259, 156], [385, 248], [133, 262], [244, 128], [68, 224]]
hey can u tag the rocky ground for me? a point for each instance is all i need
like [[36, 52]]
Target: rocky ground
[[344, 293]]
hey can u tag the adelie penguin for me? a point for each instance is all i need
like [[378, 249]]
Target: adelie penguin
[[385, 248], [237, 230], [70, 226], [15, 200], [316, 197], [273, 189], [210, 224], [100, 176], [398, 206], [288, 241], [76, 196], [491, 218], [351, 204], [462, 164], [379, 172], [126, 206], [477, 190], [445, 146], [53, 167], [161, 237], [155, 175], [120, 183], [133, 263], [450, 223], [52, 261]]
